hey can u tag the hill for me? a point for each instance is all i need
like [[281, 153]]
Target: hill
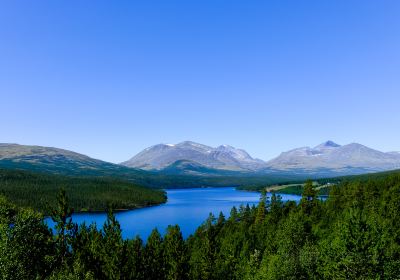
[[38, 191]]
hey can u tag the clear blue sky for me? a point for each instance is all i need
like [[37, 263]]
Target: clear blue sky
[[109, 78]]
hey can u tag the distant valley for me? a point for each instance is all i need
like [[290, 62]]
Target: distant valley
[[183, 165]]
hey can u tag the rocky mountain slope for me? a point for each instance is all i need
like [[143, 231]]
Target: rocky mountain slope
[[327, 159], [223, 157], [332, 156], [183, 163]]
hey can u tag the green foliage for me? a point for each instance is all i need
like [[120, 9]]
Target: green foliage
[[261, 208], [309, 198], [27, 250], [64, 226], [354, 234], [154, 259], [37, 191], [153, 179], [175, 254]]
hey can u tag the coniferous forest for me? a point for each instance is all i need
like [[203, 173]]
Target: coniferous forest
[[354, 234], [39, 190]]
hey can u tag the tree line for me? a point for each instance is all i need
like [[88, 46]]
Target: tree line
[[354, 234]]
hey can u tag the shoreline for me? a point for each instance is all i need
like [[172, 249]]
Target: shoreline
[[119, 209]]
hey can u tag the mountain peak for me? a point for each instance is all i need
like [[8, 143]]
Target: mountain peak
[[222, 157], [187, 143], [328, 144], [225, 147], [349, 158]]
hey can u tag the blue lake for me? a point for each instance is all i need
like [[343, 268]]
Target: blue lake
[[186, 207]]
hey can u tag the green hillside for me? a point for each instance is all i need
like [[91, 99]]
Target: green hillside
[[38, 191], [153, 179]]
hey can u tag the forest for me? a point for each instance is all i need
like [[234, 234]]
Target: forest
[[38, 191], [353, 234], [151, 179]]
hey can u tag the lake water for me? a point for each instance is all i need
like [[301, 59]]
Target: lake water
[[186, 207]]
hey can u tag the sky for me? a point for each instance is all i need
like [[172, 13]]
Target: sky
[[110, 78]]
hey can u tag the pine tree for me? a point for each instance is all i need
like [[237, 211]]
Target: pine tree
[[154, 257], [261, 209], [113, 247], [233, 214], [308, 200], [175, 254], [26, 248], [64, 226]]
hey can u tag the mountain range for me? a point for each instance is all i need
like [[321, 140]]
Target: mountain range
[[326, 158], [180, 174], [193, 164], [350, 158]]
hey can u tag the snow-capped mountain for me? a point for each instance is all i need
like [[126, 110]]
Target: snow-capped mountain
[[223, 157], [330, 155], [326, 158]]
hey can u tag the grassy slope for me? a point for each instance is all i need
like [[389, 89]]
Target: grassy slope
[[39, 191]]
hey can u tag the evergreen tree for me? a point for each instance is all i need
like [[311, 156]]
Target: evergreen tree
[[64, 226], [175, 254], [135, 261], [113, 248], [261, 208], [154, 257], [26, 247], [221, 219], [233, 214], [356, 250], [309, 198], [7, 211]]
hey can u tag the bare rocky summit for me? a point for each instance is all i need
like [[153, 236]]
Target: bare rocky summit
[[327, 157], [223, 157], [330, 155]]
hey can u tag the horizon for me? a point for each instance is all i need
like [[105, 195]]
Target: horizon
[[263, 77], [241, 148]]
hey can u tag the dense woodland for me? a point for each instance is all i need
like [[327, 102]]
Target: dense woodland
[[297, 186], [354, 234], [153, 179], [38, 191]]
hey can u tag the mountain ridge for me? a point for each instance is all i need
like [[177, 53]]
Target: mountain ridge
[[224, 157], [48, 160], [353, 158], [160, 163], [335, 157]]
